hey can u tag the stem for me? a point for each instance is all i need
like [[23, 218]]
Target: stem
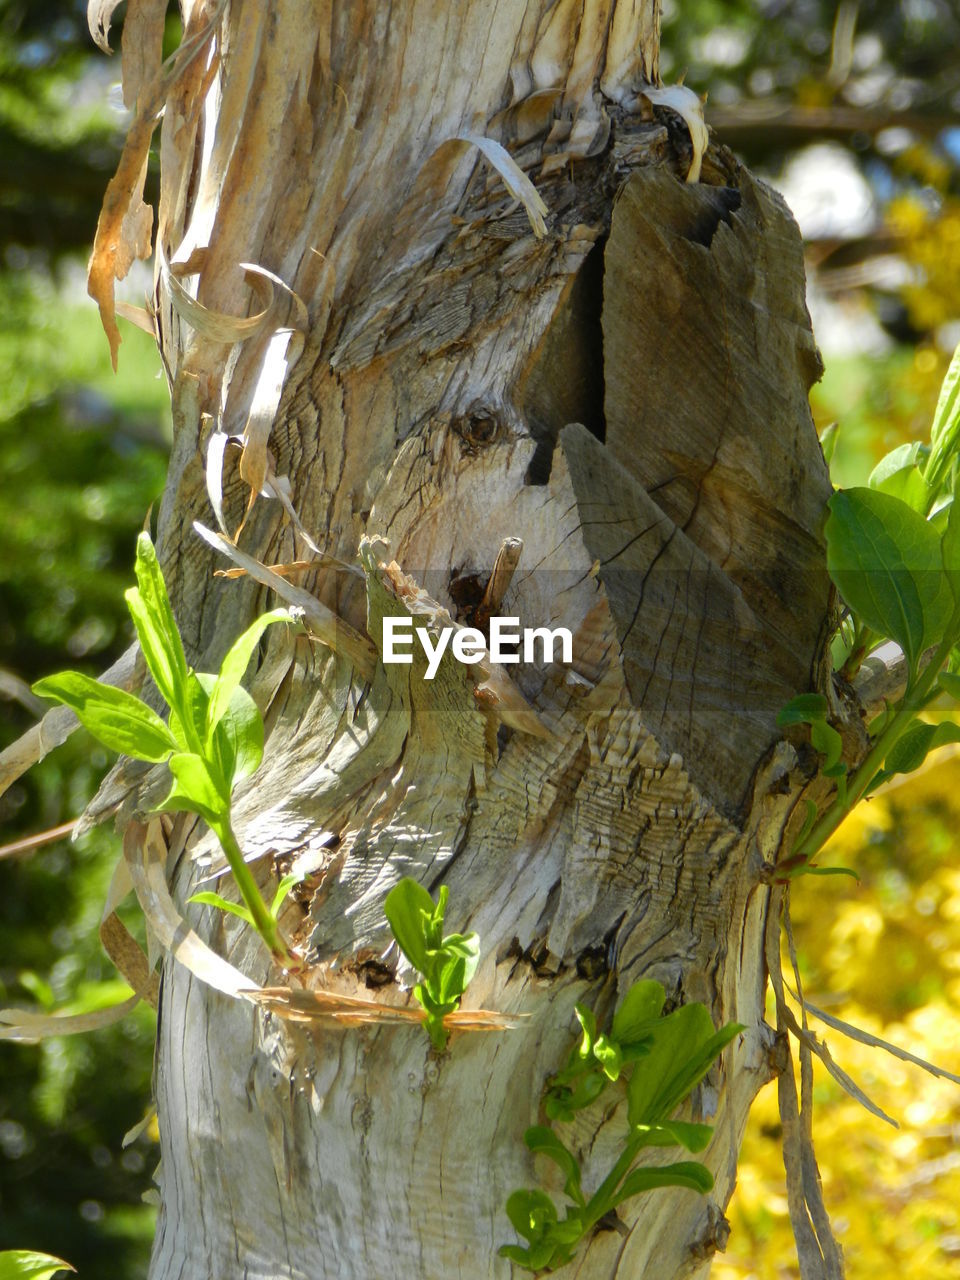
[[263, 921], [608, 1186], [913, 703]]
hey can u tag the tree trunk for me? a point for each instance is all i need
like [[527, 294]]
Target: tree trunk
[[626, 394]]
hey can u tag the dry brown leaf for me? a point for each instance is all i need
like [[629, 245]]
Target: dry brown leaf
[[215, 325], [139, 316], [316, 1006], [121, 227], [145, 851], [28, 1026], [513, 178], [690, 106], [99, 14], [284, 570], [323, 622], [141, 48]]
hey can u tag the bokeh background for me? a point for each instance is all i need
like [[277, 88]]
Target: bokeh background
[[853, 110]]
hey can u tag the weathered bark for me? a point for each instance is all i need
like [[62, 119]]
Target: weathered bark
[[627, 395]]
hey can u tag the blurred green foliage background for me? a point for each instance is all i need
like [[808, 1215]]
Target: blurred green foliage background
[[852, 107]]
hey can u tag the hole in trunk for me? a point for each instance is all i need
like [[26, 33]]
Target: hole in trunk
[[564, 382]]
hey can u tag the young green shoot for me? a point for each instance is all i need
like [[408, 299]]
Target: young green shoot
[[663, 1059], [445, 964], [213, 735]]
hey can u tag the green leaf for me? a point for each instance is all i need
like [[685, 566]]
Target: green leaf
[[684, 1047], [885, 561], [608, 1056], [235, 664], [900, 476], [530, 1212], [450, 984], [289, 881], [543, 1141], [209, 899], [828, 742], [828, 441], [408, 908], [640, 1006], [588, 1025], [812, 869], [675, 1133], [157, 632], [562, 1100], [912, 748], [805, 708], [194, 790], [465, 946], [685, 1173], [945, 431], [117, 719], [237, 740], [21, 1264], [950, 683], [950, 549]]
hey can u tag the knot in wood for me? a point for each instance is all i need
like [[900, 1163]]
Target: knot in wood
[[478, 430]]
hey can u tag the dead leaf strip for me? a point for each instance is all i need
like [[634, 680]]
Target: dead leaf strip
[[323, 622], [145, 851], [513, 178], [690, 106], [120, 945], [876, 1042], [274, 487], [28, 1027], [29, 843], [216, 325], [313, 1006], [57, 725], [125, 223], [139, 316], [283, 352], [289, 570], [17, 690], [810, 1041], [284, 348], [812, 1185], [127, 956], [819, 1255]]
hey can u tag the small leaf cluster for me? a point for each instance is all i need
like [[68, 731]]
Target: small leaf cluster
[[893, 553], [446, 963], [213, 735], [663, 1058]]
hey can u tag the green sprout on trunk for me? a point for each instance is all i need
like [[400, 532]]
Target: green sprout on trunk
[[213, 735], [662, 1059], [445, 964]]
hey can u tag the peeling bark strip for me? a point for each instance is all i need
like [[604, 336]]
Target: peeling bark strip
[[621, 400]]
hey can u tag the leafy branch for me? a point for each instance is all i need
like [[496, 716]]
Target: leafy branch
[[663, 1059], [213, 735], [893, 553]]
